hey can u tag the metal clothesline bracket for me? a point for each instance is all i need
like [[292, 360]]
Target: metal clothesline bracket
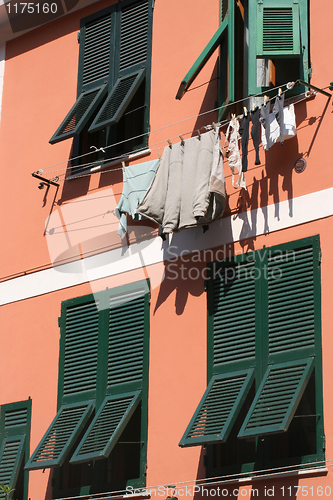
[[301, 82], [45, 182]]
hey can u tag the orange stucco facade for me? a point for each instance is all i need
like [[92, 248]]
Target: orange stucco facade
[[43, 230]]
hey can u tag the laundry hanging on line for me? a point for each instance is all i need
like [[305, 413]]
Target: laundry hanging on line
[[233, 154], [136, 181], [189, 187], [289, 127]]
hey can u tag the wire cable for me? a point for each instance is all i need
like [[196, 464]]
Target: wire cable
[[167, 126]]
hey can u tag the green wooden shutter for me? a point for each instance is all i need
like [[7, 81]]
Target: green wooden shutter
[[128, 318], [278, 29], [118, 100], [11, 456], [218, 408], [80, 113], [277, 398], [79, 349], [231, 317], [94, 68], [130, 62], [107, 426], [231, 351], [15, 436], [202, 59], [291, 303], [60, 436]]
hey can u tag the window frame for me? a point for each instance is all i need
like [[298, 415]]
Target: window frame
[[264, 360], [94, 313], [106, 133]]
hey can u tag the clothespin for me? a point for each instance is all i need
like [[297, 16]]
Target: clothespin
[[123, 165], [170, 143], [214, 125], [159, 156], [279, 92], [199, 134], [253, 106], [182, 140], [245, 110], [265, 100]]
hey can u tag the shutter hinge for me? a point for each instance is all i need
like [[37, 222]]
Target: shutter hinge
[[319, 256], [324, 443], [59, 319], [78, 36]]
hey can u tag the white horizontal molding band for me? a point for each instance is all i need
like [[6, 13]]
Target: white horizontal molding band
[[275, 217]]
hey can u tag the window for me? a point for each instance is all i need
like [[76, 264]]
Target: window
[[113, 82], [14, 446], [263, 405], [263, 42], [98, 439]]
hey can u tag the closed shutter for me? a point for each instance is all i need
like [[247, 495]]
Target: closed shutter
[[218, 408], [127, 326], [61, 435], [107, 426], [131, 61], [291, 303], [277, 398], [278, 28], [94, 68]]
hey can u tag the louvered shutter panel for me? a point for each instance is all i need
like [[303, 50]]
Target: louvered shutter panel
[[278, 28], [232, 318], [60, 436], [291, 303], [11, 456], [79, 349], [132, 59], [231, 349], [94, 67], [107, 426], [126, 350], [15, 426], [218, 408], [277, 398]]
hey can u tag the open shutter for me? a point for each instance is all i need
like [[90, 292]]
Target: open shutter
[[11, 456], [15, 436], [202, 59], [231, 352], [277, 398], [107, 426], [60, 436], [132, 58], [278, 28], [80, 113], [94, 61], [218, 408], [79, 325], [118, 100]]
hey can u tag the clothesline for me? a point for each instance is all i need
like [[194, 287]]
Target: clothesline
[[102, 163], [262, 94]]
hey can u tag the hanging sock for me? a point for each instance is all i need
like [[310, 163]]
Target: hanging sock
[[264, 120], [255, 132], [278, 112], [244, 132]]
